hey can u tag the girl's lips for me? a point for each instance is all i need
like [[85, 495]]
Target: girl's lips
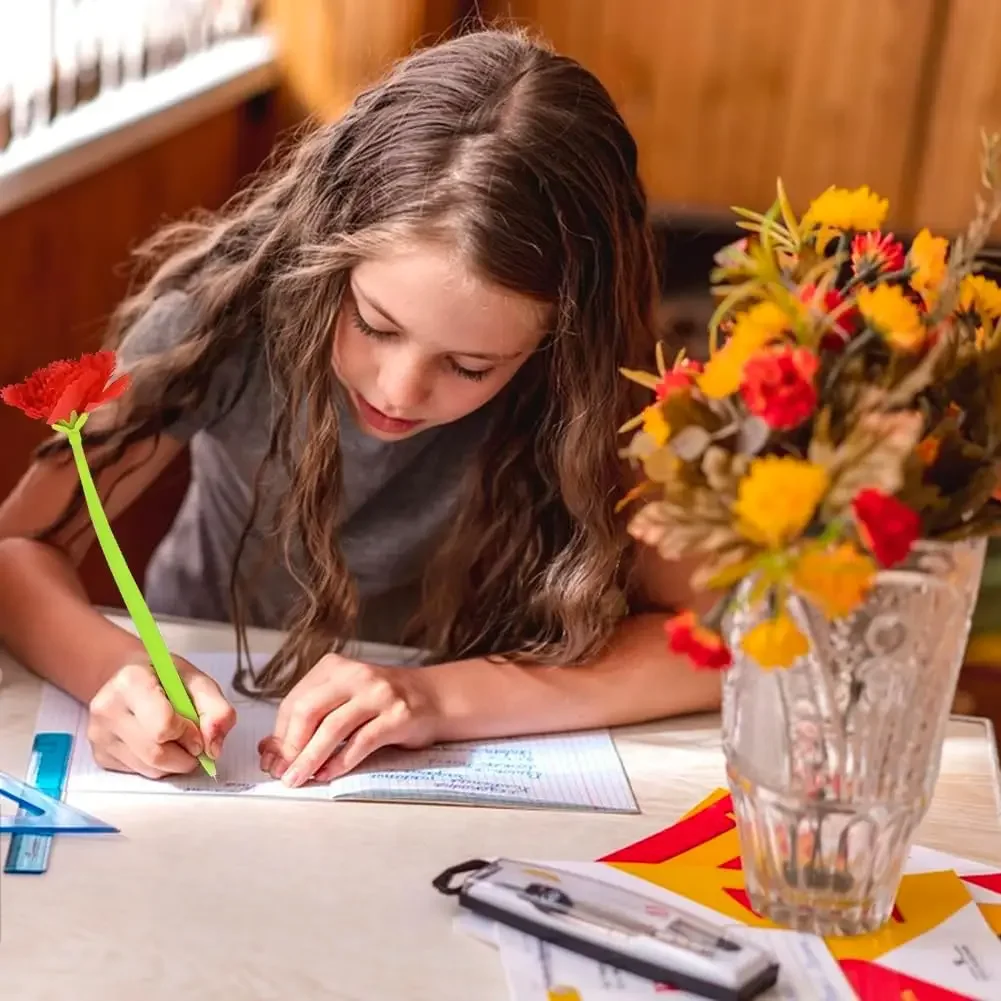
[[382, 422]]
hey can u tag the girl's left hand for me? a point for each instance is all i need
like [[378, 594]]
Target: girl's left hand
[[341, 712]]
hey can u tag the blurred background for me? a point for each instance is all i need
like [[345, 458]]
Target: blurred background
[[117, 115]]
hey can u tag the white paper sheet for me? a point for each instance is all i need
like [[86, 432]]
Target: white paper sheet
[[573, 771]]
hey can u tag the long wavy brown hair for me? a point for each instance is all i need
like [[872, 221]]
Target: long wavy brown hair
[[519, 158]]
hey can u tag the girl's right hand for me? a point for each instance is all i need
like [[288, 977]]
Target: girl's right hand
[[134, 728]]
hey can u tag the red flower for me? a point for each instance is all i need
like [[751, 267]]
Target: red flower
[[682, 376], [778, 386], [845, 324], [63, 388], [702, 646], [887, 527], [877, 253]]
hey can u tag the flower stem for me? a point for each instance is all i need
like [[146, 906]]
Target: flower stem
[[145, 624]]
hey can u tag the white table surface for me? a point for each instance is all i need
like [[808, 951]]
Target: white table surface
[[232, 899]]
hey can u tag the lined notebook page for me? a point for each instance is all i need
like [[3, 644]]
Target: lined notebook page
[[573, 771]]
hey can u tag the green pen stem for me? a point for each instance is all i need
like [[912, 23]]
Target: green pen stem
[[149, 632]]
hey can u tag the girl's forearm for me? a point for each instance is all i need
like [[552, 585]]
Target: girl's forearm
[[634, 681], [49, 625]]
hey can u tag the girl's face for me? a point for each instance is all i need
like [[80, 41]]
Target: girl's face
[[420, 341]]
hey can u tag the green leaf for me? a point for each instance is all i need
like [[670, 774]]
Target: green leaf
[[645, 379], [748, 290], [729, 567], [690, 442], [788, 216], [658, 464], [753, 435], [874, 454]]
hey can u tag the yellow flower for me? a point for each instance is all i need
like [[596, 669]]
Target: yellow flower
[[777, 498], [889, 311], [980, 295], [841, 209], [763, 323], [775, 642], [927, 257], [835, 580], [655, 424]]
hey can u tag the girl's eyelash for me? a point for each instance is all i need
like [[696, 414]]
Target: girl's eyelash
[[368, 329], [473, 375]]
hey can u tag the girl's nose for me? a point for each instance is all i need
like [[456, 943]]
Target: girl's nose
[[403, 384]]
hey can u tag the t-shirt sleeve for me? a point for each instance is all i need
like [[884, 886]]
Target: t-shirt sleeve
[[166, 324]]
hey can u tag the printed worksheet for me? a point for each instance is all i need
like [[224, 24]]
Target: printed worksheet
[[579, 771]]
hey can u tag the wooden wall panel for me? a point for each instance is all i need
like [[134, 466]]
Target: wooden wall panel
[[64, 265], [330, 49], [724, 95], [965, 97]]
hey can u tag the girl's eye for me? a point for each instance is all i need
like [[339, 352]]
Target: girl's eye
[[368, 330], [474, 375]]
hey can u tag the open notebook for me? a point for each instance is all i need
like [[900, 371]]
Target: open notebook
[[580, 771]]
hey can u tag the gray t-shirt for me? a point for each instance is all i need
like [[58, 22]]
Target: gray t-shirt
[[397, 499]]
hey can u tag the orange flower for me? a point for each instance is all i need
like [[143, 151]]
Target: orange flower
[[777, 498], [655, 424], [928, 258], [888, 310], [775, 643], [877, 253], [778, 386], [887, 527], [681, 377], [844, 209], [688, 637], [762, 324], [980, 295], [835, 580]]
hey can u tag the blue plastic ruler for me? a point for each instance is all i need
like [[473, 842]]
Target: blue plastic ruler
[[47, 771]]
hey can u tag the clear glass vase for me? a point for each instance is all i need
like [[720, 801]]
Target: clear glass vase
[[832, 762]]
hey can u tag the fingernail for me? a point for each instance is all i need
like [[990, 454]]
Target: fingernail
[[215, 748], [280, 769], [291, 777], [266, 762]]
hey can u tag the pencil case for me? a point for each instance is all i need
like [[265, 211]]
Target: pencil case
[[634, 932]]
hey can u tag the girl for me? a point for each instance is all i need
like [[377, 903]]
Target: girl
[[396, 365]]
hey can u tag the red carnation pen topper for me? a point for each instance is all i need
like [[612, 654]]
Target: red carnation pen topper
[[64, 394]]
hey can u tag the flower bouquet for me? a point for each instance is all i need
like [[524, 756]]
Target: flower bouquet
[[829, 474]]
